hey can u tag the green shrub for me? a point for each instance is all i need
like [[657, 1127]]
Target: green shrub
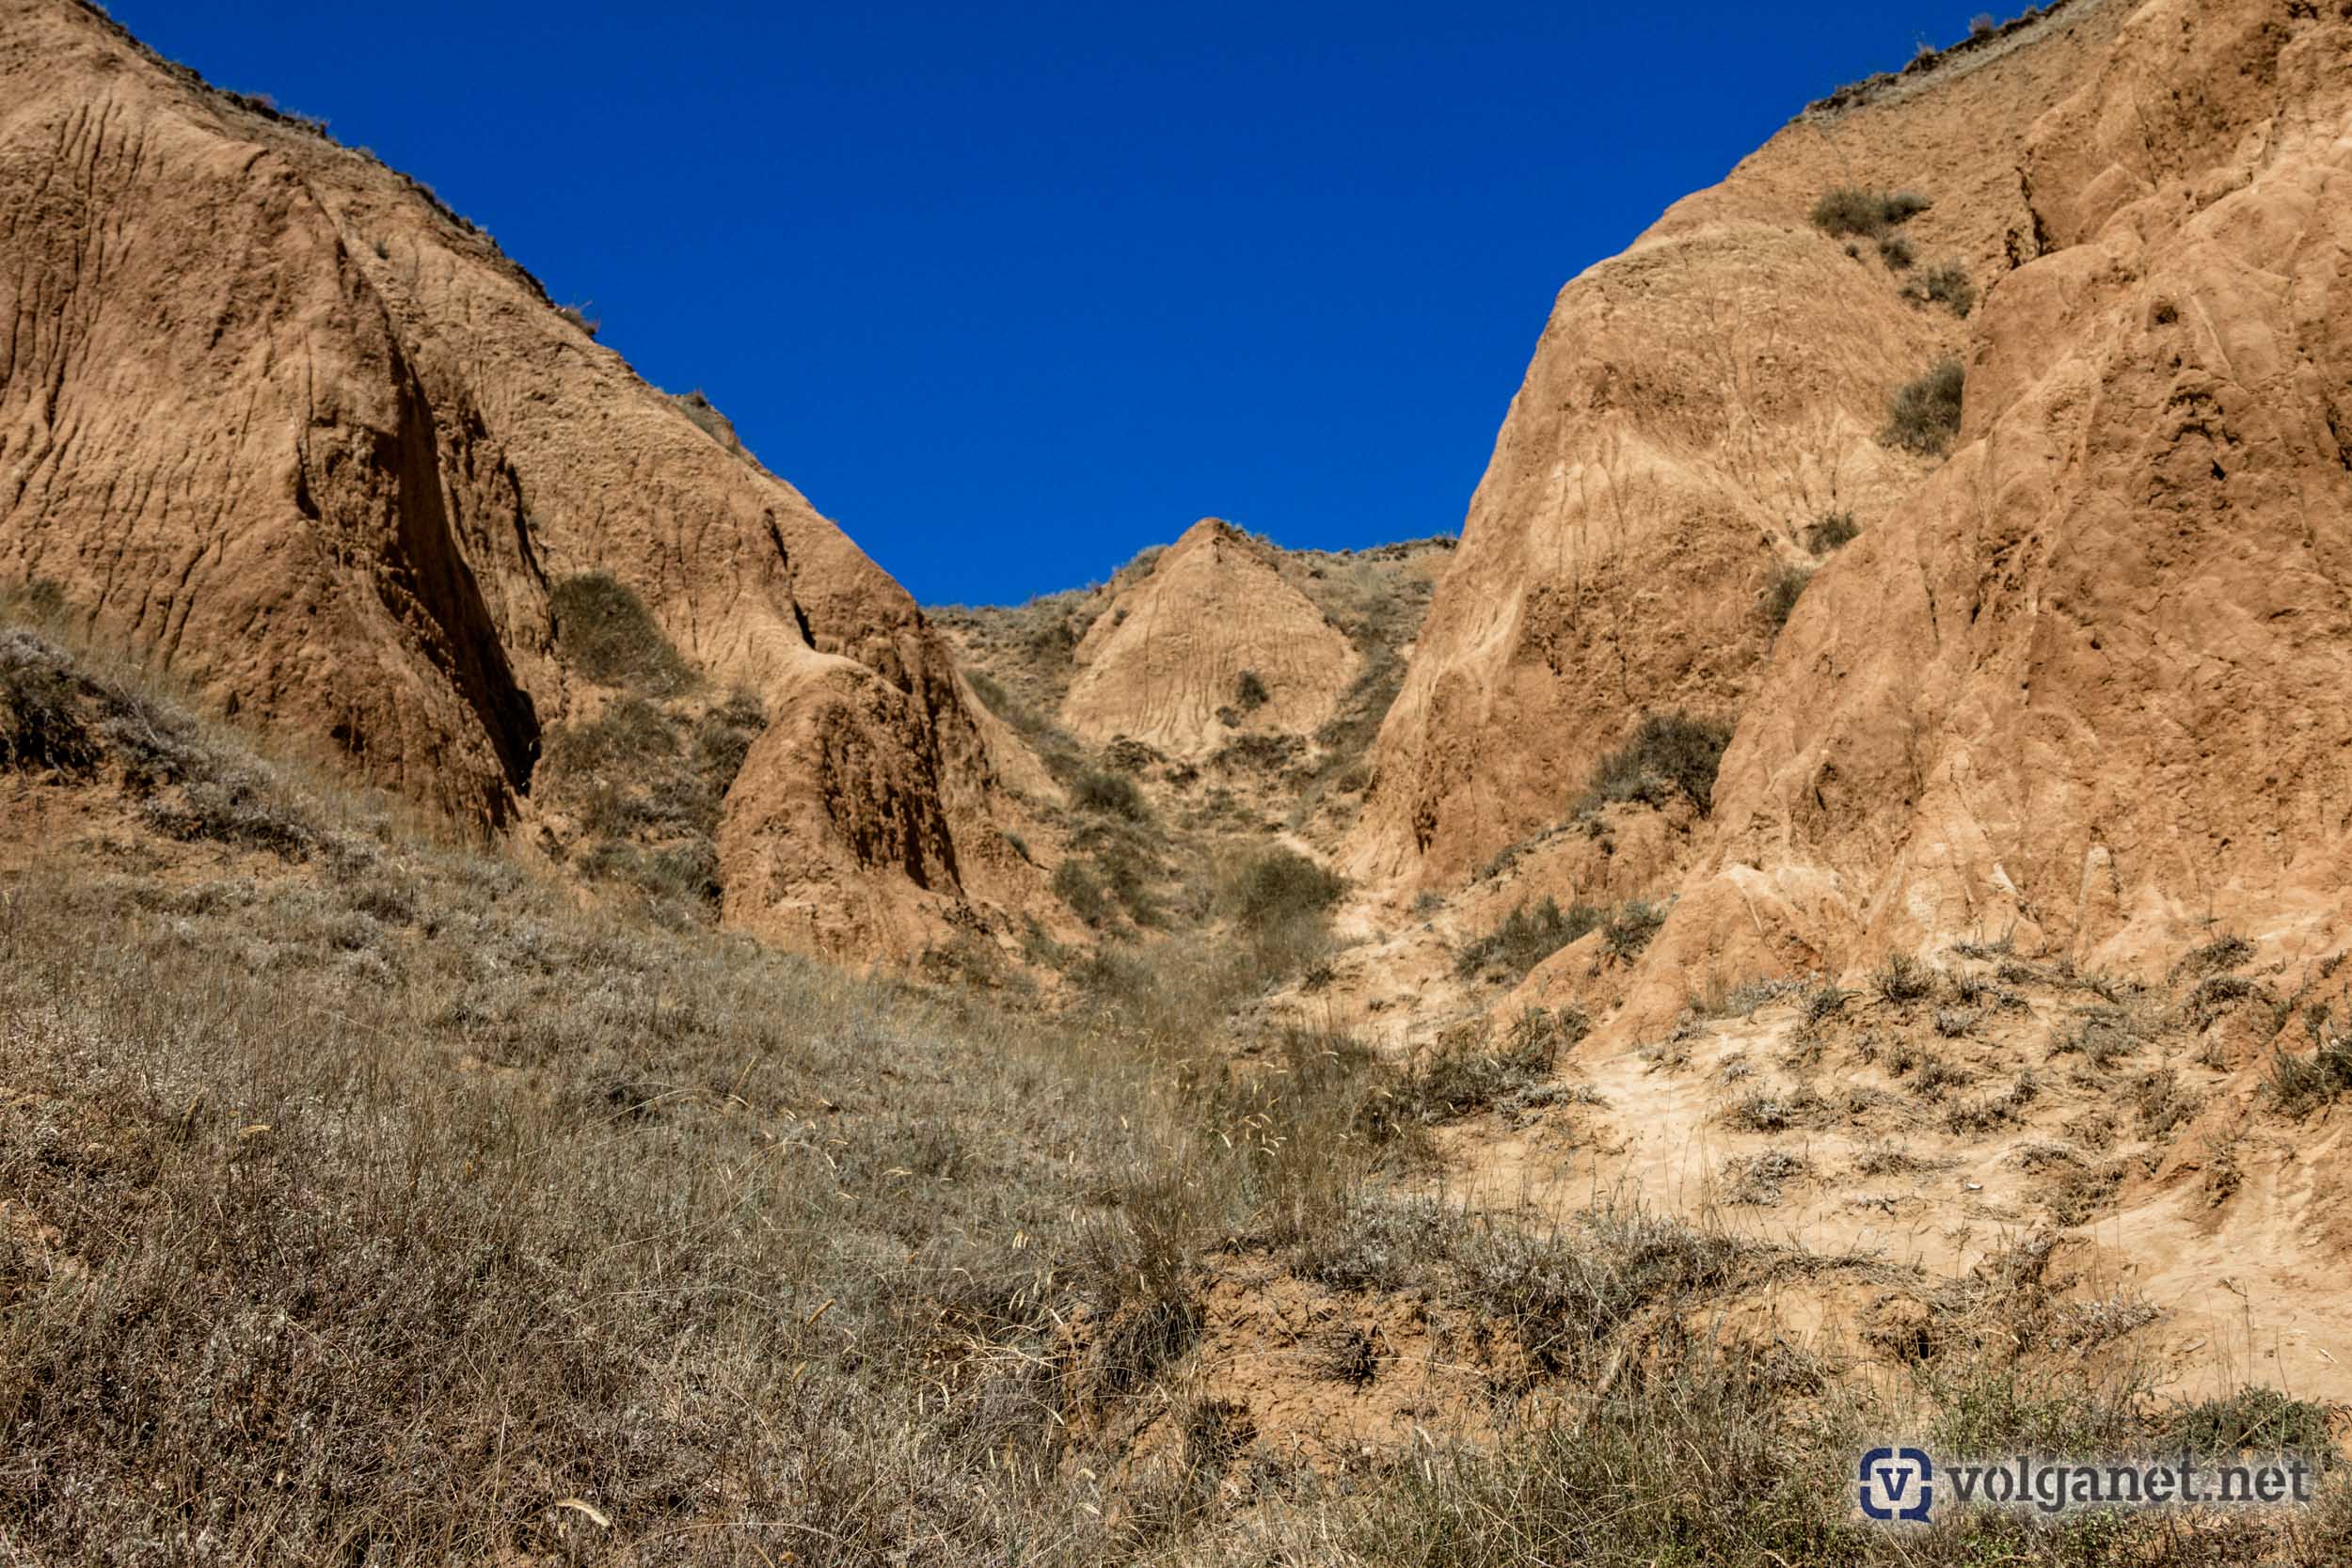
[[1076, 887], [1280, 885], [1670, 753], [1628, 930], [1849, 210], [1782, 592], [1924, 415], [1526, 938], [2302, 1085], [1896, 253], [42, 725], [1108, 795], [1829, 531], [1250, 692], [1945, 283], [607, 633]]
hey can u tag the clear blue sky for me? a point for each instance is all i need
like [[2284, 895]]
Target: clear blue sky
[[1012, 291]]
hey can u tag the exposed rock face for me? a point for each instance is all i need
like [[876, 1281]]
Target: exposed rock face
[[277, 419], [2089, 683], [1693, 405], [2082, 676], [1166, 663]]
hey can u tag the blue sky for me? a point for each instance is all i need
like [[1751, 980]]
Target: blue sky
[[1012, 292]]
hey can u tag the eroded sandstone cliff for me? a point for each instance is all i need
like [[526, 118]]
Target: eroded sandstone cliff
[[2076, 674], [274, 416]]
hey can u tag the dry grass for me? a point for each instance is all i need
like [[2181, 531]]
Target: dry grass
[[370, 1200], [1924, 415]]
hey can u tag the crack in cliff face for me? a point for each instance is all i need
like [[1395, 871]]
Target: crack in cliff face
[[431, 563]]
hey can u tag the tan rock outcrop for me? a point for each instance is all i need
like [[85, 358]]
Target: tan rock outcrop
[[2088, 684], [2082, 677], [1168, 656], [1693, 405], [277, 419]]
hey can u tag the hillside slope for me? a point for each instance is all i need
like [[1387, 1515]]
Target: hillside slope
[[273, 416], [2070, 678], [1210, 640]]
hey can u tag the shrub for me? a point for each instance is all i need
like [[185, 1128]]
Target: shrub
[[1250, 692], [1947, 283], [1108, 795], [1280, 885], [41, 726], [1924, 415], [1465, 1074], [1670, 753], [1829, 531], [1629, 929], [605, 631], [1076, 887], [707, 417], [1526, 938], [2302, 1085], [1903, 979], [1781, 593], [1896, 253], [1849, 210]]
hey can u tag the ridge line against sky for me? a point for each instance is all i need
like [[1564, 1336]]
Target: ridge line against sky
[[1013, 292]]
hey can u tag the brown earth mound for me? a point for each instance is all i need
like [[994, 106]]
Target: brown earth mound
[[1211, 640], [274, 417]]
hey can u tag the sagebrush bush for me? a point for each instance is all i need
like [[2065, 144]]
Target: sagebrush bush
[[1831, 531], [1250, 692], [605, 631], [1109, 795], [1528, 935], [1782, 591], [1851, 210], [1278, 884], [1924, 415], [1670, 753], [1945, 284]]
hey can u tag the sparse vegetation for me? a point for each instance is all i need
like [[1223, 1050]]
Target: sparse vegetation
[[1831, 531], [1670, 753], [1903, 979], [1946, 284], [949, 1255], [1108, 795], [1250, 692], [54, 717], [1782, 591], [603, 628], [2304, 1082], [1851, 210], [1924, 415], [1526, 938]]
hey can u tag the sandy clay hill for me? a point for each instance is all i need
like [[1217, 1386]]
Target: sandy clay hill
[[2061, 360], [1889, 689], [277, 421], [1209, 638], [1883, 708]]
